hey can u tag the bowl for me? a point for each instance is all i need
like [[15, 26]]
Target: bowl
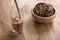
[[41, 19]]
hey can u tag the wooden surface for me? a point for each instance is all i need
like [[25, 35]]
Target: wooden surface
[[36, 31], [7, 7], [32, 30]]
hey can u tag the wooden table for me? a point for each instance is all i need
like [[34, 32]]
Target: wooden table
[[32, 30], [7, 7]]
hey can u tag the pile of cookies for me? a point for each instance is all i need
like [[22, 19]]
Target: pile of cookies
[[43, 10]]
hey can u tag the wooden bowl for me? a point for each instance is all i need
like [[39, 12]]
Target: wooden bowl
[[43, 19]]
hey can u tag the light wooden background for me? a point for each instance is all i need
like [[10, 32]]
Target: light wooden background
[[31, 29]]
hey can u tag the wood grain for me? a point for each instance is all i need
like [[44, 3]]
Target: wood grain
[[7, 7], [38, 31], [32, 30]]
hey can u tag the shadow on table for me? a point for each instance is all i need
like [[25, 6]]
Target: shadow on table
[[44, 30], [43, 27]]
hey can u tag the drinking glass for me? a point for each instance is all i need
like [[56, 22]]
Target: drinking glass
[[17, 22]]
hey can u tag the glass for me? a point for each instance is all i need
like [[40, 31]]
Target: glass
[[17, 22]]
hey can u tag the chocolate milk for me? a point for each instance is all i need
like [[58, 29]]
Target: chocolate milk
[[17, 25]]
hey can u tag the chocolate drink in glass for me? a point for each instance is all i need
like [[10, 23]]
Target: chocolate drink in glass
[[17, 25]]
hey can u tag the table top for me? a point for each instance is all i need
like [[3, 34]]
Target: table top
[[32, 30]]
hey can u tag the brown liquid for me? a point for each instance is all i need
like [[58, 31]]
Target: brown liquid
[[17, 25]]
